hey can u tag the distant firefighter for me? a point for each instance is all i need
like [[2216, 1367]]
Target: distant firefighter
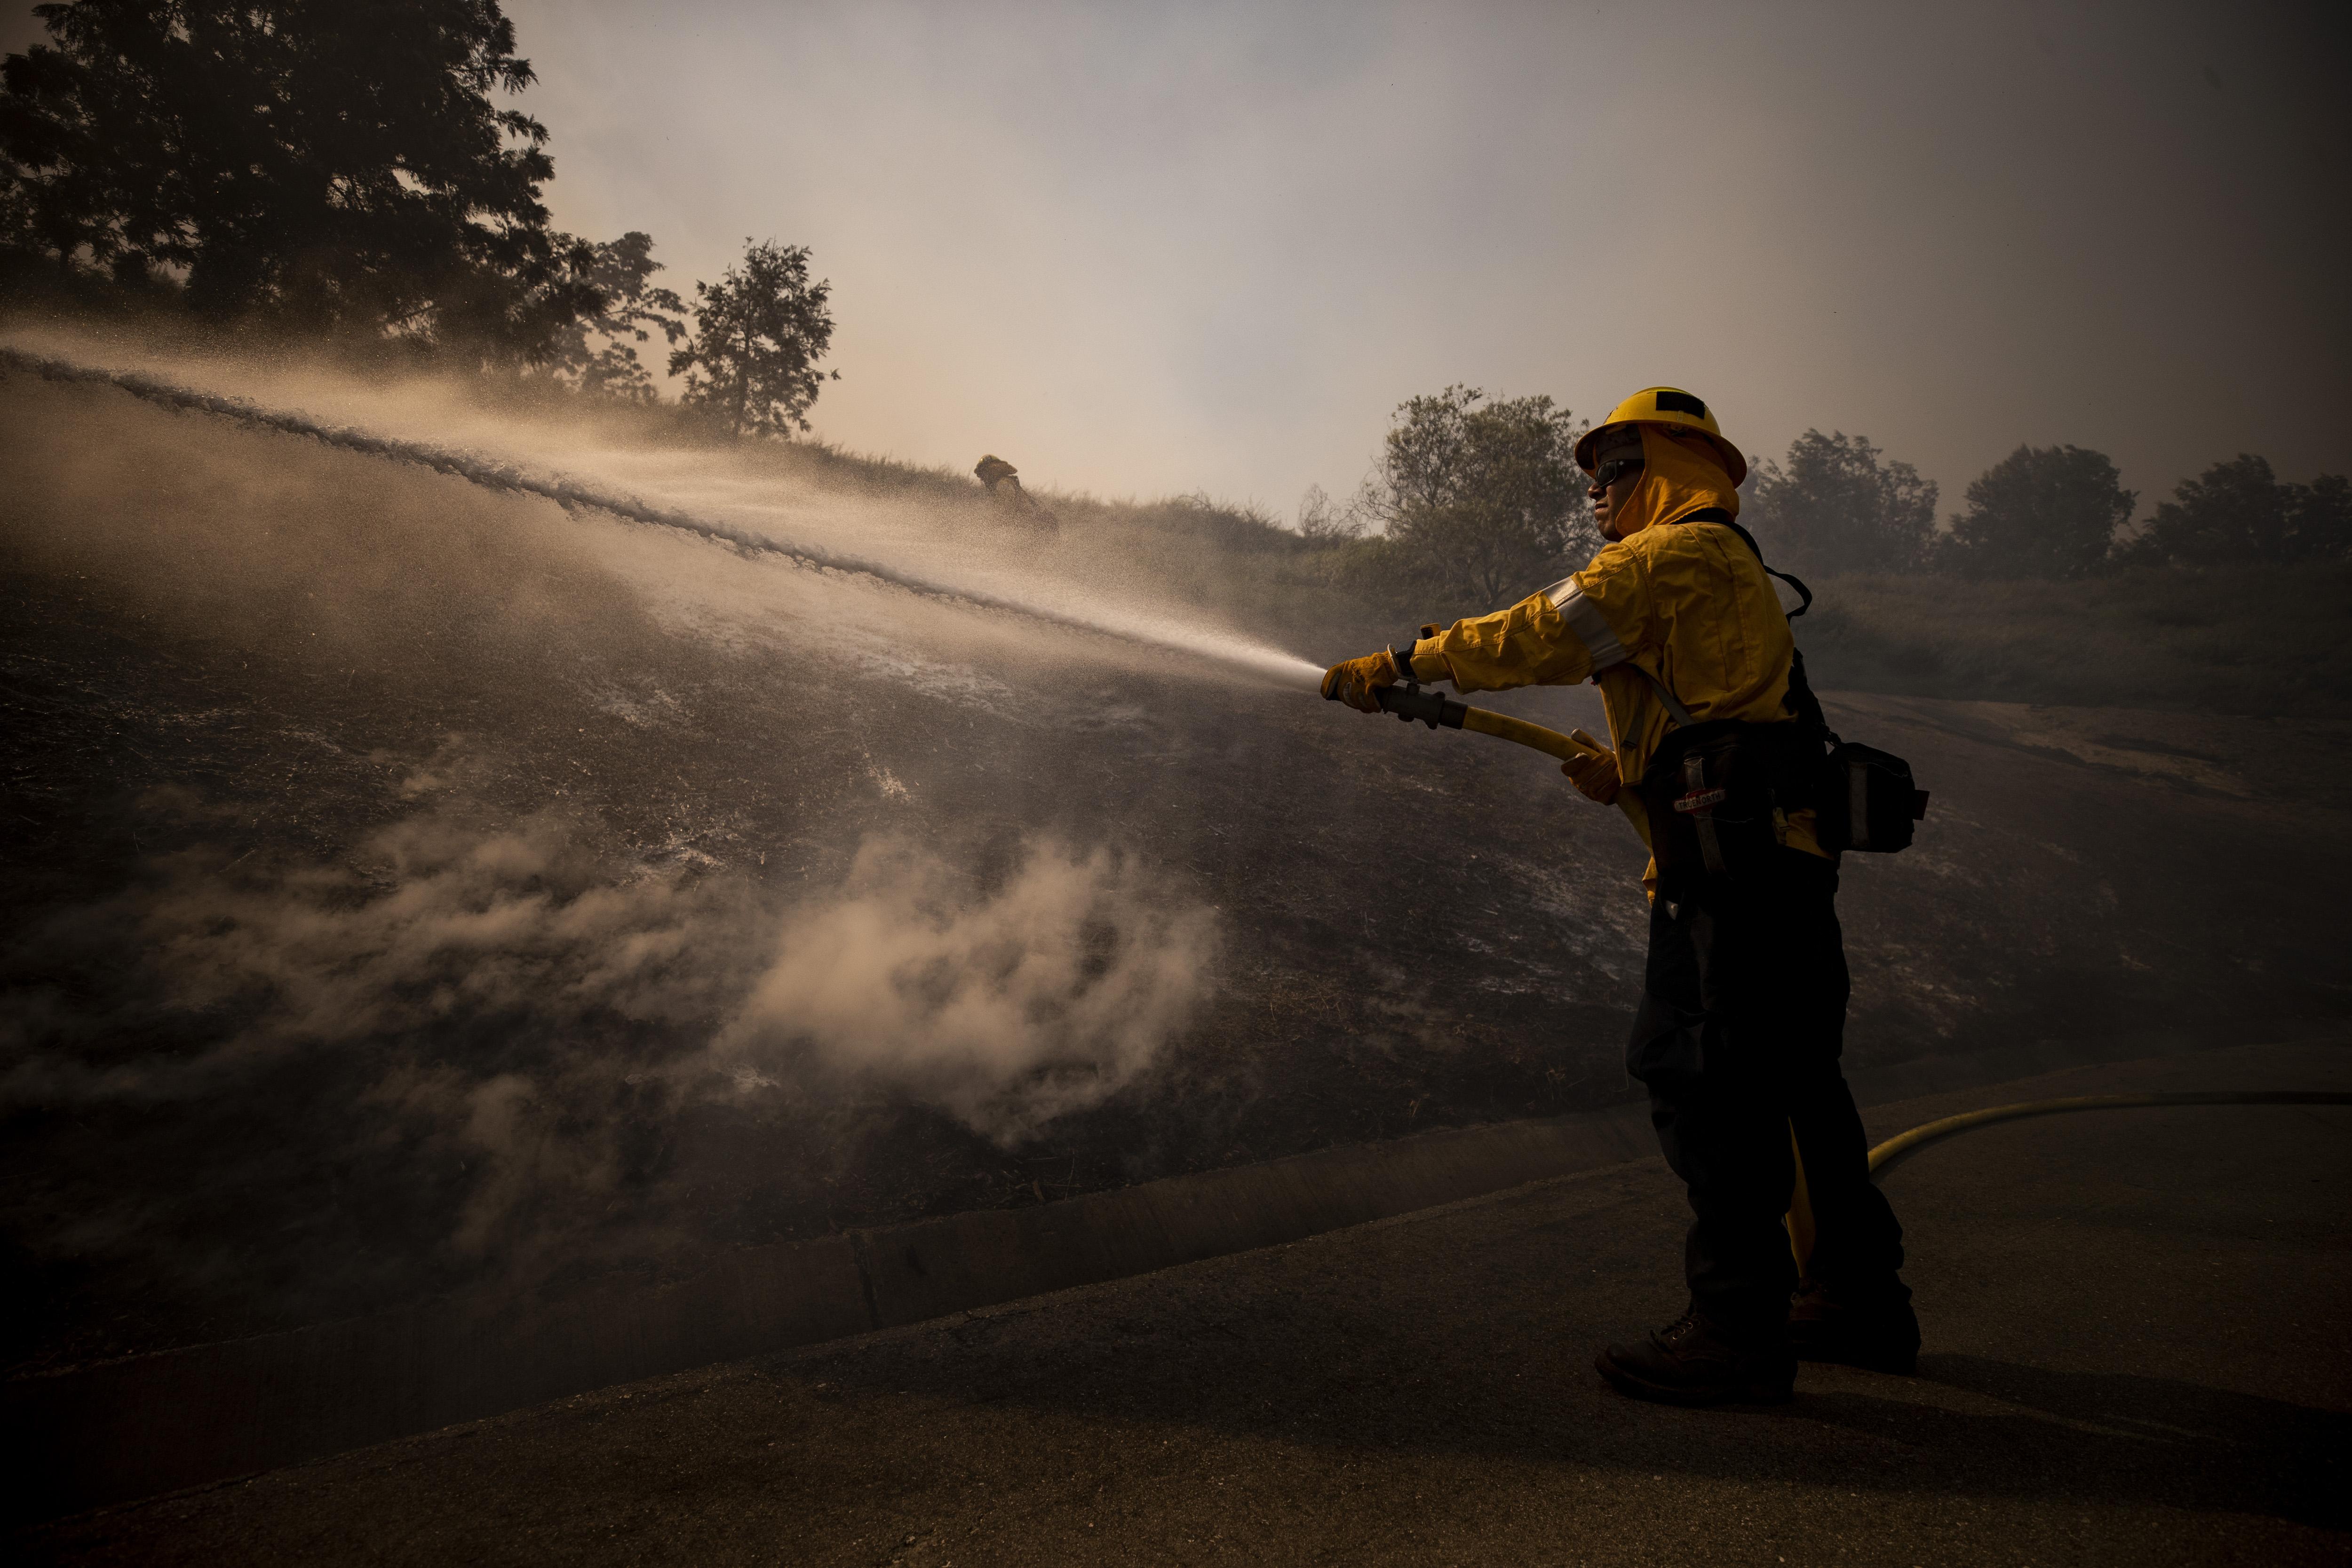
[[1003, 481]]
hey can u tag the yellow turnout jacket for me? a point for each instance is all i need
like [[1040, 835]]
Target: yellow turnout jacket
[[1687, 602]]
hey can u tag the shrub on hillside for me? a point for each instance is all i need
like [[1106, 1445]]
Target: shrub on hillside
[[2237, 512], [1836, 506], [1480, 503], [2041, 512]]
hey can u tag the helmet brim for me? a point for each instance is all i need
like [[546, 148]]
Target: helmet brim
[[1734, 462]]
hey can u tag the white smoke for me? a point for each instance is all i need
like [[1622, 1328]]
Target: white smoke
[[529, 1004], [1005, 1010]]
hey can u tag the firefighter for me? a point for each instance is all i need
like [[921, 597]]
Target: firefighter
[[1742, 1015], [1003, 482]]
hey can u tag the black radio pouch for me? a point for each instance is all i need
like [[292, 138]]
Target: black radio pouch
[[1869, 802], [1714, 788]]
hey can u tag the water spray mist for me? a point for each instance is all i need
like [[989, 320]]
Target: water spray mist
[[493, 475]]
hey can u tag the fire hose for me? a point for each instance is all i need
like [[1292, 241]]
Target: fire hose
[[1900, 1147], [1409, 702]]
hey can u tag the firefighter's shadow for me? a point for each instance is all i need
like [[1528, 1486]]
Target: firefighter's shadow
[[1967, 1426], [2118, 1438]]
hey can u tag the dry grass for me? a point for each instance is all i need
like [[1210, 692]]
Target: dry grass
[[2263, 640]]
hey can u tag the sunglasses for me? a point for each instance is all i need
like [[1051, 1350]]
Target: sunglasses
[[1615, 468]]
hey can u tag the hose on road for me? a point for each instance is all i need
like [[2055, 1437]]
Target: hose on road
[[1903, 1144]]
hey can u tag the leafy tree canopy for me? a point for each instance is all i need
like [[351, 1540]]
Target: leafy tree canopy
[[334, 163], [598, 353], [1481, 501], [2238, 511], [758, 334], [1836, 507], [2041, 512]]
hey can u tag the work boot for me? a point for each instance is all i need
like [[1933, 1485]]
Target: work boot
[[1692, 1361], [1879, 1334]]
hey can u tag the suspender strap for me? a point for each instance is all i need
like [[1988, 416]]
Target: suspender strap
[[1710, 843], [1673, 705]]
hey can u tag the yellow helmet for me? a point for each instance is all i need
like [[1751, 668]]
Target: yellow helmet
[[1680, 413]]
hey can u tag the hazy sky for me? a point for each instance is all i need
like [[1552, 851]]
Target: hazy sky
[[1141, 250]]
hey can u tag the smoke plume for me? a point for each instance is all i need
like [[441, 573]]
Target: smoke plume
[[1005, 1009], [501, 997]]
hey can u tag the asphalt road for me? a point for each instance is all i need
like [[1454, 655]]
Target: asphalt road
[[2136, 1353]]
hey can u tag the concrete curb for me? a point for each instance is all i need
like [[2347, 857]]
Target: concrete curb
[[149, 1424]]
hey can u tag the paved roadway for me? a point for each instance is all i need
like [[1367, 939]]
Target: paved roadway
[[2137, 1353]]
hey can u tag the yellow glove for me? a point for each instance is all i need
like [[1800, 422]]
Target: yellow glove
[[1594, 772], [1355, 681]]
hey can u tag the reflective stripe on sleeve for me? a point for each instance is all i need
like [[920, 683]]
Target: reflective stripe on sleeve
[[1585, 620]]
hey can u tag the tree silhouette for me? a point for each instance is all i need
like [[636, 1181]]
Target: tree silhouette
[[1837, 508], [2238, 511], [332, 163], [1483, 504], [758, 334], [620, 271], [2041, 512]]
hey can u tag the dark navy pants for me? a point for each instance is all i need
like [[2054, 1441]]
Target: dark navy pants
[[1741, 1024]]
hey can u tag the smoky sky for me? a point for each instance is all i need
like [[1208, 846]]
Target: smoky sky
[[1150, 249]]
